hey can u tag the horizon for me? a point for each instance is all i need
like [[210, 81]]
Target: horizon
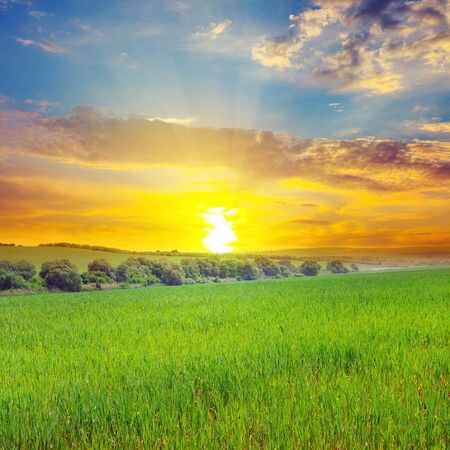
[[144, 125]]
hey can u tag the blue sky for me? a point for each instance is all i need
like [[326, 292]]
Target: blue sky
[[162, 59]]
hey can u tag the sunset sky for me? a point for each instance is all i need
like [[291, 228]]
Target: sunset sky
[[318, 124]]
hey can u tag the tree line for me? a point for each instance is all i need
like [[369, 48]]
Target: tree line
[[61, 274]]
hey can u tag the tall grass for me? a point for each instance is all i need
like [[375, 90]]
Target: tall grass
[[344, 362]]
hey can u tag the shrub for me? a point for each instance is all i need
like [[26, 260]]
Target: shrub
[[354, 267], [25, 269], [155, 267], [61, 274], [103, 266], [131, 270], [190, 269], [208, 266], [248, 270], [310, 268], [268, 267], [228, 268], [173, 275], [11, 280], [336, 267]]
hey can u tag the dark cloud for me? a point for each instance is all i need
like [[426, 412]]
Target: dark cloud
[[87, 136]]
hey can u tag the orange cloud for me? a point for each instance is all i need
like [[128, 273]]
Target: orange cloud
[[92, 177]]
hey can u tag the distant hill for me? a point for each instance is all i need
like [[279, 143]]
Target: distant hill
[[366, 258], [395, 252]]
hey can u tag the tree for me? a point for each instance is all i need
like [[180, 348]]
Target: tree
[[11, 280], [354, 267], [61, 274], [228, 268], [310, 268], [101, 265], [173, 275], [190, 269], [248, 270], [336, 266], [268, 267]]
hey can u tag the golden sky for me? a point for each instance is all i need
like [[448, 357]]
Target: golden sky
[[128, 182]]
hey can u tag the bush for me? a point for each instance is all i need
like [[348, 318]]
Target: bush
[[208, 266], [310, 268], [268, 267], [23, 268], [248, 270], [190, 269], [155, 267], [354, 267], [173, 275], [131, 271], [103, 266], [11, 280], [228, 268], [336, 267], [61, 274]]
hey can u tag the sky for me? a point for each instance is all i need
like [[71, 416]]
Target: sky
[[316, 123]]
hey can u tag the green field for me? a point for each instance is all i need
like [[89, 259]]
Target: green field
[[356, 361]]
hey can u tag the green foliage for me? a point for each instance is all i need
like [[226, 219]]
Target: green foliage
[[25, 269], [323, 362], [268, 267], [228, 268], [248, 270], [61, 274], [336, 266], [173, 275], [310, 268], [11, 280], [103, 266]]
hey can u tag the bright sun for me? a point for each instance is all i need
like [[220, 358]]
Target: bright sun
[[220, 230]]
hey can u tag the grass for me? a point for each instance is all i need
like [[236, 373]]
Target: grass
[[338, 362]]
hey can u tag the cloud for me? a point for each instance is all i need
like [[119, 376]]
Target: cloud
[[377, 46], [88, 136], [439, 127], [41, 105], [4, 99], [175, 120], [42, 44], [214, 29], [5, 5], [36, 14], [336, 106], [348, 132], [420, 108]]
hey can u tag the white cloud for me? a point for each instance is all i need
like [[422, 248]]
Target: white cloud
[[352, 45], [420, 108], [336, 106], [42, 106], [214, 29], [42, 44], [37, 14], [175, 120]]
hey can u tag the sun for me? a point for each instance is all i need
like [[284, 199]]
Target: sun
[[220, 232]]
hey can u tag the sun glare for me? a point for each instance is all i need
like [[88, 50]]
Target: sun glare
[[220, 232]]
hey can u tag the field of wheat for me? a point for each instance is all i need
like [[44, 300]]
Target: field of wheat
[[337, 362]]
